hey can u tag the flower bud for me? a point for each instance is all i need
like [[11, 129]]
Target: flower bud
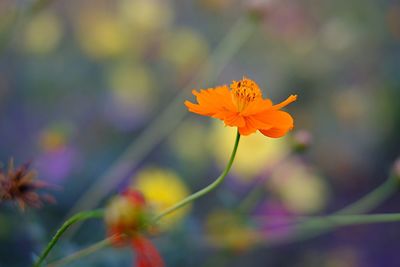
[[259, 9], [396, 168], [302, 140], [127, 218], [126, 214]]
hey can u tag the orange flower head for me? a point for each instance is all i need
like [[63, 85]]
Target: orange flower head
[[242, 106]]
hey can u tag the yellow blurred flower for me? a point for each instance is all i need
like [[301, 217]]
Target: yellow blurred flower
[[55, 136], [181, 142], [146, 15], [52, 140], [162, 188], [43, 33], [131, 86], [255, 153], [100, 34], [225, 229], [184, 49], [299, 187]]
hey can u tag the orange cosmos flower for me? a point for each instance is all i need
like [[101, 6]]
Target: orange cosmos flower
[[243, 106]]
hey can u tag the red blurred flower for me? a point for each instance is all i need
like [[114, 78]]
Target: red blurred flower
[[127, 218]]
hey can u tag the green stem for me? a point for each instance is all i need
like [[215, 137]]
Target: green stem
[[76, 218], [306, 229], [83, 253], [374, 198], [365, 204], [251, 200], [346, 220], [205, 190]]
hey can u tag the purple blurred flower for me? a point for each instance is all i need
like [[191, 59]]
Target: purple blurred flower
[[56, 165], [274, 220]]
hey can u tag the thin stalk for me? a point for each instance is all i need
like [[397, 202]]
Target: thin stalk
[[363, 205], [205, 190], [84, 252], [307, 229], [354, 219], [82, 216], [374, 198]]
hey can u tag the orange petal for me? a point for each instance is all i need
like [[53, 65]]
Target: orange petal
[[246, 130], [275, 118], [258, 124], [212, 101], [289, 100], [282, 123], [275, 132], [249, 128], [257, 106], [146, 253], [195, 108], [233, 119]]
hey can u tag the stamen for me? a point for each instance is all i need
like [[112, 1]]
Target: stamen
[[244, 92]]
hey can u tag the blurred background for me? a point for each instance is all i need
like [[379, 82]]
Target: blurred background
[[92, 92]]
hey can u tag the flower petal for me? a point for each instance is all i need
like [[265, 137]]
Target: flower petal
[[280, 121], [233, 119], [257, 106], [286, 102], [250, 127], [146, 253], [212, 101], [275, 118], [258, 124], [275, 132], [247, 130]]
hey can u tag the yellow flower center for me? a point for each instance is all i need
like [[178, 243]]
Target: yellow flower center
[[244, 92]]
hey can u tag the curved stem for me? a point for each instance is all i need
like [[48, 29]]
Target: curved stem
[[76, 218], [374, 198], [354, 219], [308, 229], [84, 252], [365, 204], [205, 190]]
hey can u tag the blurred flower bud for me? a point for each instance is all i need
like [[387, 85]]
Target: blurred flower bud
[[126, 218], [396, 168], [126, 215], [302, 140], [258, 9]]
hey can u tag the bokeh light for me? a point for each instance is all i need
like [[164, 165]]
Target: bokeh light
[[162, 188]]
